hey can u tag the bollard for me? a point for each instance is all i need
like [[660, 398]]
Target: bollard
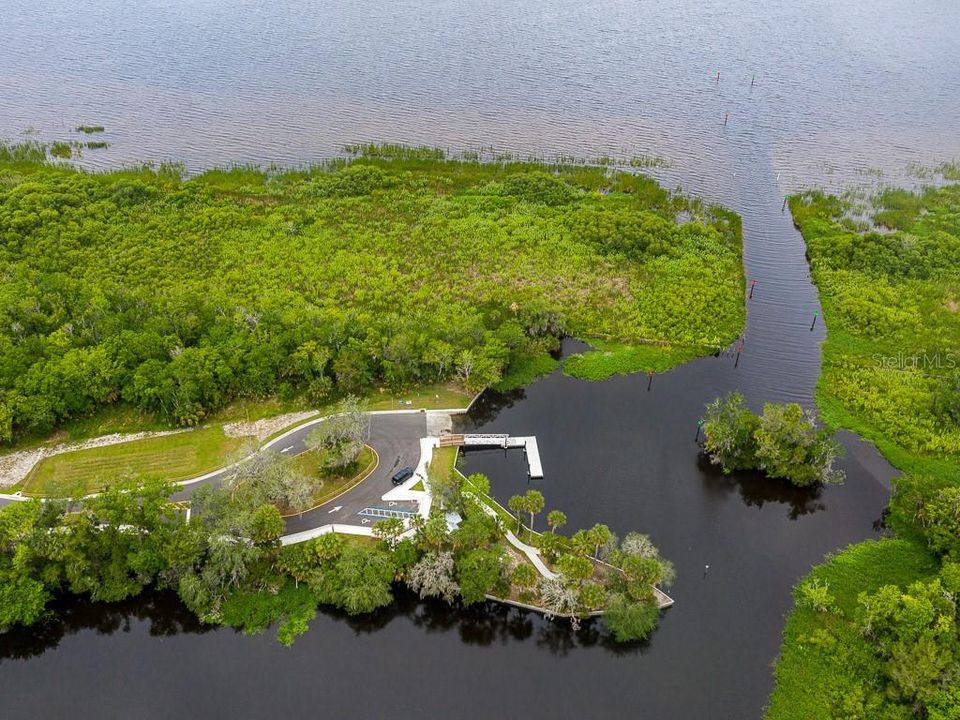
[[699, 425], [784, 204], [814, 320], [649, 379], [737, 361], [753, 284], [725, 118], [753, 79], [718, 76]]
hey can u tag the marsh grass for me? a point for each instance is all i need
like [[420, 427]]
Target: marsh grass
[[390, 151], [61, 150], [950, 170], [30, 152]]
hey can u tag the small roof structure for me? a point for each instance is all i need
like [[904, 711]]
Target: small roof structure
[[453, 520]]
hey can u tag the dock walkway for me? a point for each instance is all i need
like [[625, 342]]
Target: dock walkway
[[502, 440]]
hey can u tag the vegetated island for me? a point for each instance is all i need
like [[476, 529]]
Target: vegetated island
[[784, 442], [141, 289], [874, 633]]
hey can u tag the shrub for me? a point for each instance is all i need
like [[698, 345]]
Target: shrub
[[630, 620]]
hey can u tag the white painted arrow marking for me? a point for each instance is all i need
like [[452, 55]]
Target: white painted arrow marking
[[289, 447], [333, 510]]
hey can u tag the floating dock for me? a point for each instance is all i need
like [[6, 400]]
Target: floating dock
[[529, 445]]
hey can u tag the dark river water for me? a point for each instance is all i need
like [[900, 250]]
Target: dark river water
[[843, 93]]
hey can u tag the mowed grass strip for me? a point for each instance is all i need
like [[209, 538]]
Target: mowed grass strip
[[443, 462], [170, 457]]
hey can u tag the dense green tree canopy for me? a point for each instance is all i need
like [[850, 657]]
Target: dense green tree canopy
[[176, 296], [784, 441]]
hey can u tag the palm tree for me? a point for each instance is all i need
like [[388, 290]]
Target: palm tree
[[556, 519], [524, 577], [517, 504], [534, 503], [600, 535], [581, 542]]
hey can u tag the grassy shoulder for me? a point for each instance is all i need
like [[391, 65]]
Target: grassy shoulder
[[124, 419], [331, 484], [822, 656], [179, 456]]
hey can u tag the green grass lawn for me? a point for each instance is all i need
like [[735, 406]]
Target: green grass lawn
[[124, 419], [170, 457], [331, 485], [430, 397], [443, 462], [174, 457]]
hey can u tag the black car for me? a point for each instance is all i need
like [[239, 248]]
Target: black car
[[402, 474]]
